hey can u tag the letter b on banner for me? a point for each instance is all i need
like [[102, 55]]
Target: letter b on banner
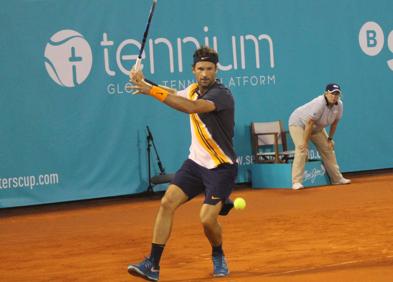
[[371, 38]]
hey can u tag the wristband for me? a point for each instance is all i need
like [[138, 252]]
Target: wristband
[[330, 138], [159, 93]]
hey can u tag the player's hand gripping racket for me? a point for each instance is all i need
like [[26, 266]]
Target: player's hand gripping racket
[[137, 66]]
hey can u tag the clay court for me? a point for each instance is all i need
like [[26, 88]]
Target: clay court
[[334, 233]]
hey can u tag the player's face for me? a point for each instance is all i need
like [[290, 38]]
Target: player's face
[[205, 73], [333, 97]]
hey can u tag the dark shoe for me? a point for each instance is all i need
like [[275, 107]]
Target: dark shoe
[[145, 270], [227, 205], [220, 267]]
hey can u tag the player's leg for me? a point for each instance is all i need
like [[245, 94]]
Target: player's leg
[[227, 206], [173, 198], [297, 135], [328, 156], [218, 183], [211, 226], [150, 267], [185, 186]]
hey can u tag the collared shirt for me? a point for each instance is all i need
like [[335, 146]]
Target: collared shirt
[[212, 132], [318, 110]]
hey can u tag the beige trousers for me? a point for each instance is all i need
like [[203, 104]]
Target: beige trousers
[[321, 143]]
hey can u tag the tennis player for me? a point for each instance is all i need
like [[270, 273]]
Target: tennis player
[[211, 166]]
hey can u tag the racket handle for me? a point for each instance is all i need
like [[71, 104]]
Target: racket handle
[[151, 82], [138, 64]]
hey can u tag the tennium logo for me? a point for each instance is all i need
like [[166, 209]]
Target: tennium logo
[[249, 59], [68, 58]]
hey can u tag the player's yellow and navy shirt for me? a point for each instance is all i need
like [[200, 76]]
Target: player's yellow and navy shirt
[[212, 132]]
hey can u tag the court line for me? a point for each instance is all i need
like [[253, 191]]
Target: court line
[[322, 267]]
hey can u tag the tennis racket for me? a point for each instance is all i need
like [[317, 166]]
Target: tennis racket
[[138, 62]]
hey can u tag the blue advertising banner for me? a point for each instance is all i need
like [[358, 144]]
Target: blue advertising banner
[[70, 130]]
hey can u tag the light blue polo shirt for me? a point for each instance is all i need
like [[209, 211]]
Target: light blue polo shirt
[[317, 110]]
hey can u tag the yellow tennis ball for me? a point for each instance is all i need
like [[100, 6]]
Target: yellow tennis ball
[[239, 203]]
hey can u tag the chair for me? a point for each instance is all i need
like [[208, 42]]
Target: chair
[[269, 143]]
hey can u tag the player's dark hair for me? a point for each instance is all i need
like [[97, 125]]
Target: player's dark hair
[[205, 54]]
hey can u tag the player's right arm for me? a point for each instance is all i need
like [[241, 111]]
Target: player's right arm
[[168, 96], [170, 90], [137, 76], [188, 106]]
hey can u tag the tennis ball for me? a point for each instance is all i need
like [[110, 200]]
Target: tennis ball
[[239, 203]]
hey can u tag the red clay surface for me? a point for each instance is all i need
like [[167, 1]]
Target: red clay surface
[[335, 233]]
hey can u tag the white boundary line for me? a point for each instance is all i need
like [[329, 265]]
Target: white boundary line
[[322, 267]]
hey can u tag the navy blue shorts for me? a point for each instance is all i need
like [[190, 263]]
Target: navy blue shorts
[[216, 183]]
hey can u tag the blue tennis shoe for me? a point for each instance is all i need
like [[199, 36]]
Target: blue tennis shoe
[[145, 269], [220, 267]]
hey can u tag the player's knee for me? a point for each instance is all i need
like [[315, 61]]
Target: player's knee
[[168, 203], [208, 221]]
